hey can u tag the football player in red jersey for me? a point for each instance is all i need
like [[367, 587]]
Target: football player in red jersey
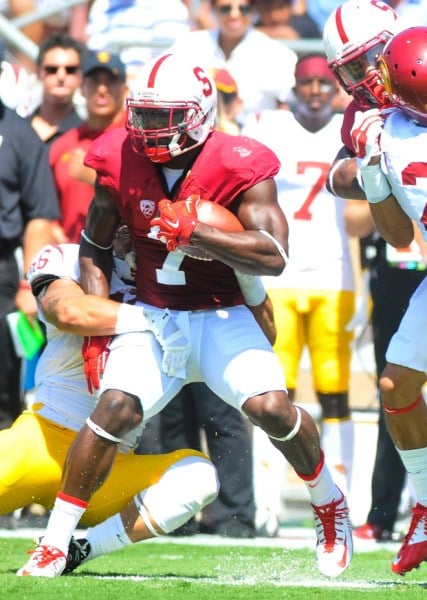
[[150, 175]]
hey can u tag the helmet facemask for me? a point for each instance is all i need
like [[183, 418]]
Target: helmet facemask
[[172, 108], [357, 71], [163, 130]]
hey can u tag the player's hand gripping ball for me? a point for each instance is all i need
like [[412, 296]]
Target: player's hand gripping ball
[[176, 222]]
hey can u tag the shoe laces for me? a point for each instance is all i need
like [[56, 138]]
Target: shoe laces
[[419, 514], [330, 520], [44, 555]]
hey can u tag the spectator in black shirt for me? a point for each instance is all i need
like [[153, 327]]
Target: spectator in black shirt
[[28, 204]]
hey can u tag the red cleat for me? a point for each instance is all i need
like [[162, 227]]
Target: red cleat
[[414, 548], [368, 531]]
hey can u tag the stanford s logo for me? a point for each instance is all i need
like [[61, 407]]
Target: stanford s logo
[[147, 208]]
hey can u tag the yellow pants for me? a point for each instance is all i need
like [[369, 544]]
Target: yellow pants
[[32, 455], [315, 319]]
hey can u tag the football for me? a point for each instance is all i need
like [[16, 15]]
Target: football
[[217, 216]]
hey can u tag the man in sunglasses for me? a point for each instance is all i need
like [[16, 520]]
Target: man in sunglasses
[[59, 73]]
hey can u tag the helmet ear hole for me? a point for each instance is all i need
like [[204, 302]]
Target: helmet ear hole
[[185, 92]]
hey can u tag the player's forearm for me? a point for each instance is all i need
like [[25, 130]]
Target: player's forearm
[[88, 315], [249, 252], [392, 223], [85, 315]]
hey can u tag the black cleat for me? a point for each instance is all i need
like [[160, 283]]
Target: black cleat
[[78, 553]]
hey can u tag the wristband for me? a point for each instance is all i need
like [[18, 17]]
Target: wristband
[[131, 318], [375, 184], [252, 288]]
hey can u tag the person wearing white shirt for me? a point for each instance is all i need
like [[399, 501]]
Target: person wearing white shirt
[[250, 56]]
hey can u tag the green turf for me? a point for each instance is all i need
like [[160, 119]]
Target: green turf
[[172, 571]]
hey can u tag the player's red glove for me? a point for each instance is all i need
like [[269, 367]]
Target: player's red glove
[[365, 135], [95, 353], [176, 222]]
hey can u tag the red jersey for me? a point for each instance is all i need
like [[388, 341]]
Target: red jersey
[[226, 166], [74, 195]]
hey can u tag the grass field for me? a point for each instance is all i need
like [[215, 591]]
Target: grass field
[[178, 568]]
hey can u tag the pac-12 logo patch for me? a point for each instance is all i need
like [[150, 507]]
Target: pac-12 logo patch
[[147, 208]]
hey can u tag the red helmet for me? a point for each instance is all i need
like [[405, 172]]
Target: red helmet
[[404, 71]]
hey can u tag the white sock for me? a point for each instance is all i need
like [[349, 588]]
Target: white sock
[[338, 446], [321, 486], [107, 537], [415, 462], [62, 522]]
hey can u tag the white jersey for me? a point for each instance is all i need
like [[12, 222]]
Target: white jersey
[[61, 387], [319, 253], [403, 144]]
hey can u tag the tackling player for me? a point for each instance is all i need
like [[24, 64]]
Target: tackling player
[[144, 496]]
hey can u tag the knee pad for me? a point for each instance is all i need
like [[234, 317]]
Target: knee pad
[[183, 490]]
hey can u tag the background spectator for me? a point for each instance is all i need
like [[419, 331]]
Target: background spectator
[[278, 19], [250, 56], [137, 29], [229, 103], [60, 77], [105, 89]]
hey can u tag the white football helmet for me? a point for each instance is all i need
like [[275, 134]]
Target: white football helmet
[[171, 109], [353, 38]]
